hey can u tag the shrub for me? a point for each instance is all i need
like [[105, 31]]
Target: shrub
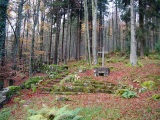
[[32, 81], [148, 85], [13, 90]]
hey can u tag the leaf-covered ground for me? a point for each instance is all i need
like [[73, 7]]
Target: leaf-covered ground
[[142, 107]]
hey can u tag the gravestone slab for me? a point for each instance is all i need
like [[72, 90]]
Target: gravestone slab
[[101, 71]]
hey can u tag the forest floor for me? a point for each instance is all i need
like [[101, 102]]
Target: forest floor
[[102, 106]]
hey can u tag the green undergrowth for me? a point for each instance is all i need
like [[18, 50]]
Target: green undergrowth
[[139, 64], [13, 90], [100, 113], [5, 113], [86, 85], [155, 97], [54, 70], [33, 81], [126, 93], [154, 56], [116, 59], [83, 113], [149, 85], [54, 114]]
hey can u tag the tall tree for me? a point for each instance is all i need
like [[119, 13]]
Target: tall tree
[[3, 14], [94, 31], [67, 32], [58, 24], [42, 9], [87, 36], [18, 32], [35, 21], [133, 49], [141, 26]]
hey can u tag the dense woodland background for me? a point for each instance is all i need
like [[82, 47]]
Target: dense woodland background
[[35, 32], [52, 66]]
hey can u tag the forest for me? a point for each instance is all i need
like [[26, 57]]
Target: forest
[[79, 59]]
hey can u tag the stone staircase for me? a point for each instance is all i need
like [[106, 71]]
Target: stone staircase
[[45, 87]]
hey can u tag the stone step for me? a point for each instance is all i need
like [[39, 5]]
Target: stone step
[[66, 93], [45, 88], [44, 92], [54, 81], [49, 85]]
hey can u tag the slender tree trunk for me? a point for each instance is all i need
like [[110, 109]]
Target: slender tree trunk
[[70, 38], [116, 30], [133, 50], [57, 36], [62, 57], [141, 23], [68, 11], [50, 43], [78, 35], [42, 31], [87, 36], [94, 31], [113, 41], [21, 44], [152, 40], [28, 23], [35, 19], [108, 33], [80, 29], [17, 31], [3, 15]]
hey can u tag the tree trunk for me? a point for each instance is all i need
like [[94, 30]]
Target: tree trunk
[[62, 57], [133, 49], [141, 23], [58, 22], [70, 38], [108, 33], [18, 31], [50, 43], [87, 36], [68, 11], [35, 19], [116, 30], [94, 31], [42, 31], [21, 44], [113, 41], [3, 15]]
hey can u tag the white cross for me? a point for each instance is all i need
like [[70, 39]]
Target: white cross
[[103, 56]]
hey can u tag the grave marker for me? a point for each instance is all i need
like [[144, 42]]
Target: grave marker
[[102, 71]]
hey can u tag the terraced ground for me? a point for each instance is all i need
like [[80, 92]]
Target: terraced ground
[[99, 97]]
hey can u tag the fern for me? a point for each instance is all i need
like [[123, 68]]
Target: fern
[[5, 114], [126, 93], [129, 94], [54, 114], [37, 117], [32, 81]]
